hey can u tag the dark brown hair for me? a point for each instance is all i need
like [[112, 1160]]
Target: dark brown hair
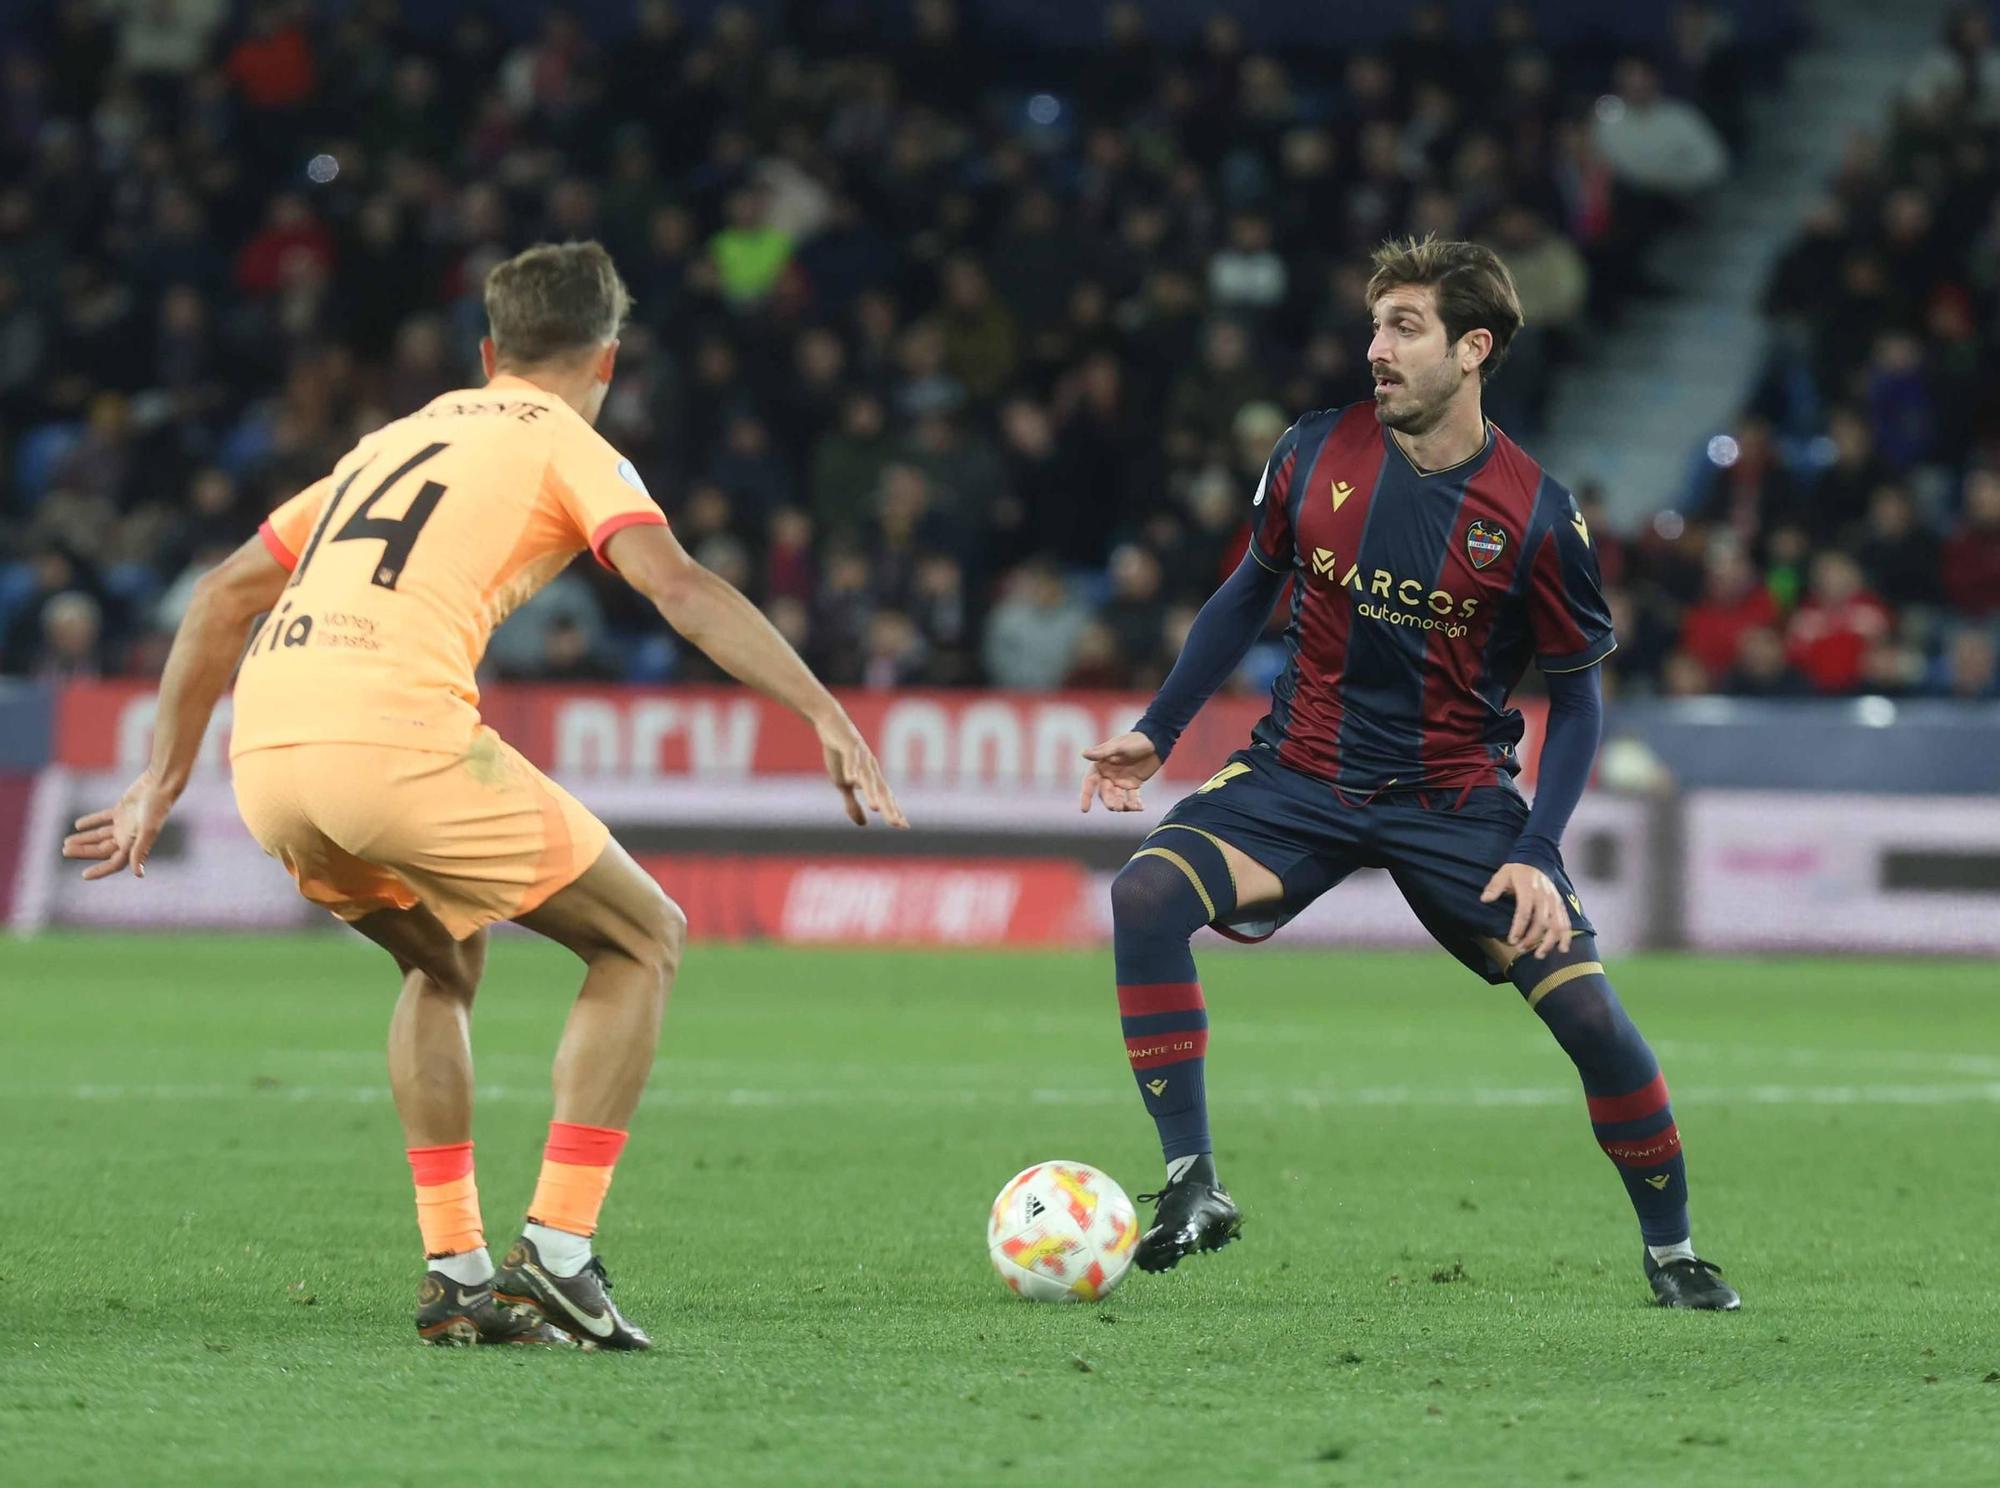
[[554, 299], [1474, 290]]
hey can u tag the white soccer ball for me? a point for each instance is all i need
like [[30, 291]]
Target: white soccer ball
[[1062, 1232]]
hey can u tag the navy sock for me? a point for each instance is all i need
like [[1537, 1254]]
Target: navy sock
[[1629, 1111], [1157, 903]]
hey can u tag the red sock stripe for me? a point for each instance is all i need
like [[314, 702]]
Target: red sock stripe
[[1640, 1103], [583, 1146], [1159, 997], [430, 1166], [1166, 1048], [1645, 1152]]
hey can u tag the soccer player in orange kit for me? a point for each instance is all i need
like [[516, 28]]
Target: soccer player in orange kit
[[361, 764]]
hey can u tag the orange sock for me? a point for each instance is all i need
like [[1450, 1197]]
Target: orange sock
[[447, 1199], [576, 1175]]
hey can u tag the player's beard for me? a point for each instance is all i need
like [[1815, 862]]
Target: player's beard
[[1418, 404]]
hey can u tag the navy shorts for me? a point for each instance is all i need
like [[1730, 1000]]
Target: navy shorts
[[1441, 847]]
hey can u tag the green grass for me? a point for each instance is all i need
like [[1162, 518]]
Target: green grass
[[209, 1258]]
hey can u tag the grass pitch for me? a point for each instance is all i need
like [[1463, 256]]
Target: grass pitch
[[210, 1258]]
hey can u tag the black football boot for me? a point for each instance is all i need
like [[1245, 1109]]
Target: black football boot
[[580, 1305], [452, 1314], [1192, 1213], [1692, 1283]]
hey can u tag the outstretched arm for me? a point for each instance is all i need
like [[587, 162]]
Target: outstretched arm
[[1217, 642], [734, 634], [1569, 747], [205, 652]]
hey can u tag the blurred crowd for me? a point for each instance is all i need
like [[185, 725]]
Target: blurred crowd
[[1845, 536], [961, 357]]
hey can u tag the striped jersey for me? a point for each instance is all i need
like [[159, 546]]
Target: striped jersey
[[1418, 599]]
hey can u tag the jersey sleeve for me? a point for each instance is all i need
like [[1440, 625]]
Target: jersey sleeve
[[1567, 615], [1271, 515], [598, 490], [288, 529]]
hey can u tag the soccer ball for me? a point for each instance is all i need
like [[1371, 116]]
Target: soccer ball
[[1062, 1232]]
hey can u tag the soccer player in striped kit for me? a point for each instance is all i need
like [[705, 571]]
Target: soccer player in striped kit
[[1430, 561]]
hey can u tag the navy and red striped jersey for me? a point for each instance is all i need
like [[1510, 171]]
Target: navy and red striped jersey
[[1418, 598]]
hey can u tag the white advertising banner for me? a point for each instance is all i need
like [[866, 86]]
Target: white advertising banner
[[1768, 871], [208, 873]]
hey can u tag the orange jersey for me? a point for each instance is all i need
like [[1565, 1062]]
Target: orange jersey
[[427, 534]]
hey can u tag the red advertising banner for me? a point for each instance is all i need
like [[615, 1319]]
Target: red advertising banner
[[15, 793], [877, 901], [966, 740]]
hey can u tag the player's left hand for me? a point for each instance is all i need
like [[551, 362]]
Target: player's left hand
[[123, 835], [1541, 920], [852, 767]]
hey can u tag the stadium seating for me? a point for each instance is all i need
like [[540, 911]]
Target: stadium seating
[[900, 334], [1857, 497]]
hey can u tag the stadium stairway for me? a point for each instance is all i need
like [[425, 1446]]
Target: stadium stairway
[[1634, 409]]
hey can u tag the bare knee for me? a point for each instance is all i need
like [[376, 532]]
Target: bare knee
[[430, 961], [472, 958], [448, 978], [671, 932], [455, 972], [653, 934]]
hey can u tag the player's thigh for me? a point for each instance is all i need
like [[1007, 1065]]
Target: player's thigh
[[1255, 884], [1252, 883], [1442, 859], [419, 941], [1246, 811], [1440, 909], [614, 906]]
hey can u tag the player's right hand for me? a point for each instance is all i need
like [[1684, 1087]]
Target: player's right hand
[[1118, 767], [122, 835], [852, 767]]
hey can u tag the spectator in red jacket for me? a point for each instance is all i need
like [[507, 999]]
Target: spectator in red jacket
[[290, 227], [1734, 600], [272, 66], [1830, 635], [1971, 562]]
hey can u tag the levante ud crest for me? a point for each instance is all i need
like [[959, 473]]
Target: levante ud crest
[[1484, 543]]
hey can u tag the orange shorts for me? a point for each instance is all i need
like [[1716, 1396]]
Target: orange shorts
[[474, 838]]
